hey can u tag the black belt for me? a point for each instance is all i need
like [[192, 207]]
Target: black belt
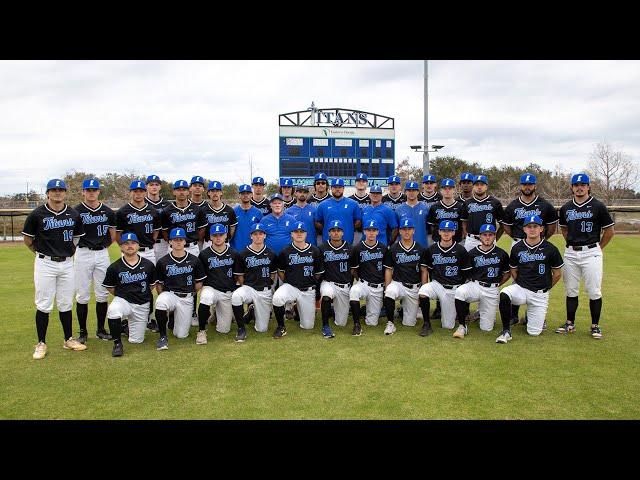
[[477, 237], [584, 247], [158, 240], [341, 285], [449, 287], [53, 259], [182, 295], [411, 285], [490, 285], [306, 289], [93, 248], [372, 285]]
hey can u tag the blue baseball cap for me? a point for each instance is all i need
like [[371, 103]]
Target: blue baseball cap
[[258, 227], [407, 223], [90, 183], [299, 226], [429, 179], [302, 186], [370, 225], [487, 228], [466, 176], [286, 182], [214, 185], [319, 176], [337, 182], [153, 178], [276, 196], [375, 189], [129, 237], [411, 186], [177, 233], [335, 224], [447, 225], [137, 185], [447, 182], [393, 179], [527, 178], [197, 179], [580, 178], [217, 229], [481, 178], [532, 219], [257, 181], [244, 188], [362, 176], [180, 184]]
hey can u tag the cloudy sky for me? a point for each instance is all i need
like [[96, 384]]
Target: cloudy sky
[[182, 118]]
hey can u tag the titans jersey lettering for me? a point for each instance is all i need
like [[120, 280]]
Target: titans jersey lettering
[[405, 262], [96, 225], [336, 262], [219, 267], [180, 274], [256, 267], [447, 265], [141, 221], [368, 259], [534, 263]]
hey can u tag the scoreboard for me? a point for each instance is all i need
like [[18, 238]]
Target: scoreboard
[[339, 142]]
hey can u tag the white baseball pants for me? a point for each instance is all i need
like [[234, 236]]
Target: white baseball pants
[[585, 264], [340, 298], [409, 298], [53, 280], [306, 303], [136, 315], [222, 302], [181, 308], [488, 299], [447, 296], [261, 300], [373, 300], [90, 265], [537, 305]]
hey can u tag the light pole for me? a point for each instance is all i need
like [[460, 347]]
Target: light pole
[[425, 142], [426, 151]]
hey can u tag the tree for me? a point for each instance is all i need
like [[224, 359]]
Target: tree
[[613, 172], [555, 186], [406, 171], [452, 167]]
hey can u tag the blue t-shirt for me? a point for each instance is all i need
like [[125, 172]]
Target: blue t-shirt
[[419, 214], [278, 231], [307, 215], [384, 216], [345, 210], [246, 219]]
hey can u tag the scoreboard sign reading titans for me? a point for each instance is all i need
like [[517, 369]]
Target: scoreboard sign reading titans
[[336, 141]]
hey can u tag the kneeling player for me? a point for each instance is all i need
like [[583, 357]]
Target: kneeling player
[[218, 261], [489, 269], [299, 267], [536, 267], [448, 265], [180, 276], [336, 280], [130, 280], [366, 267]]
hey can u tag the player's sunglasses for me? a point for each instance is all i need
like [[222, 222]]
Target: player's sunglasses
[[321, 183]]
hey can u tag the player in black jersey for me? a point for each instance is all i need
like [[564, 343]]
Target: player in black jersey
[[213, 212], [336, 280], [196, 190], [448, 266], [131, 280], [587, 228], [258, 199], [320, 191], [466, 186], [448, 208], [91, 259], [366, 267], [182, 213], [362, 198], [403, 276], [429, 194], [161, 247], [255, 271], [286, 190], [481, 208], [51, 231], [536, 267], [394, 198]]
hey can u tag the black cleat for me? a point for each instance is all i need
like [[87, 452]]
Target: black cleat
[[426, 331], [82, 338], [153, 326], [103, 335], [357, 330], [241, 336], [118, 350], [280, 332]]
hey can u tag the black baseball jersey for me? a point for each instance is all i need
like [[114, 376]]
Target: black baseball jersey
[[288, 203], [478, 212], [368, 260], [159, 205], [534, 263], [210, 216], [200, 204], [141, 221], [300, 266], [131, 282], [462, 199], [263, 206], [393, 202], [405, 262], [186, 218], [219, 268], [362, 201], [96, 225], [489, 266], [180, 275], [316, 200], [448, 266], [336, 262], [517, 211], [53, 232], [439, 211], [437, 196], [584, 221], [256, 267]]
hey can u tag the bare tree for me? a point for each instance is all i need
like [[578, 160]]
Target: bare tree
[[614, 172], [406, 171], [556, 187], [507, 189]]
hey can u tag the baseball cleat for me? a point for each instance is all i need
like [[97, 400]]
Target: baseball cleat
[[596, 332], [514, 321], [40, 351], [504, 337], [201, 337], [566, 328], [162, 344], [83, 337], [327, 332], [153, 326], [103, 335], [118, 350], [279, 332], [357, 330], [426, 330], [390, 329], [241, 336], [460, 332], [73, 344]]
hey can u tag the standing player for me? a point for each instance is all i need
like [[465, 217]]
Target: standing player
[[366, 267], [386, 220], [403, 277], [587, 228], [180, 276], [214, 212], [130, 280], [480, 209], [256, 271], [247, 216], [196, 189], [336, 280], [92, 257], [286, 190], [52, 231], [154, 184], [447, 208], [415, 210], [304, 212], [258, 199], [466, 186], [320, 189], [361, 197], [536, 266], [395, 197], [299, 268], [218, 261], [338, 208], [429, 194], [182, 213]]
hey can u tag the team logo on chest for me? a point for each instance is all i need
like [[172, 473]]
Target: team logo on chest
[[173, 270], [137, 218], [52, 222], [177, 217], [89, 219], [577, 215]]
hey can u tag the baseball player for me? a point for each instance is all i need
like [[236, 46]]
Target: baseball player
[[299, 268], [218, 261], [182, 213], [386, 220], [180, 276], [91, 259], [526, 205], [361, 197], [196, 189], [154, 184], [587, 228], [277, 225], [214, 212], [247, 216], [395, 197], [415, 210], [286, 190], [52, 231], [489, 270], [481, 208], [536, 266], [366, 266], [466, 186], [429, 194], [303, 211], [403, 276], [258, 199], [447, 208], [255, 270], [338, 208], [130, 280], [320, 187], [336, 280]]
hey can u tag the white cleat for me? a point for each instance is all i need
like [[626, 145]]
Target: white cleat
[[40, 352], [390, 328], [201, 337], [504, 337], [460, 332]]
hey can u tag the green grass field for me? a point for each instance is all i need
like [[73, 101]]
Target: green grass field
[[304, 376]]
